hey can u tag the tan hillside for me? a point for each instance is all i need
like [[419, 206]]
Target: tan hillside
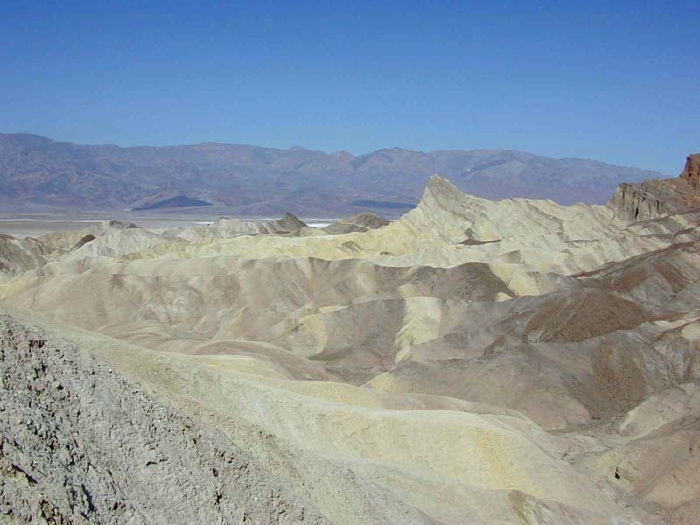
[[474, 361]]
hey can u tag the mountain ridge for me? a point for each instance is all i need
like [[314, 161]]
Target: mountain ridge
[[38, 171]]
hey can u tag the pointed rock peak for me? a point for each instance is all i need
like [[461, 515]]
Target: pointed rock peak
[[436, 183], [442, 190], [441, 194], [292, 222]]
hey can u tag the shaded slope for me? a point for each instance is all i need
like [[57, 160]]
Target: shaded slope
[[180, 201]]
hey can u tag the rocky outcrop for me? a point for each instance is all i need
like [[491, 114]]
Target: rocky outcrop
[[691, 173], [631, 201], [287, 224], [226, 228], [361, 222], [658, 197], [20, 255]]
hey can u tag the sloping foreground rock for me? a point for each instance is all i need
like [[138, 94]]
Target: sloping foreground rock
[[80, 444], [85, 441]]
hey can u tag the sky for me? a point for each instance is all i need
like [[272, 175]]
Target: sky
[[613, 81]]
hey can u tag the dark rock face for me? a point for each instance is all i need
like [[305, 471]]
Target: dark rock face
[[181, 201], [651, 199], [691, 173], [83, 241], [658, 197]]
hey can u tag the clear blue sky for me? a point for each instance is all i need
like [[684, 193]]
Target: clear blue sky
[[615, 81]]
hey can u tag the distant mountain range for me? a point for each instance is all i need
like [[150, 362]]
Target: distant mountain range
[[37, 173]]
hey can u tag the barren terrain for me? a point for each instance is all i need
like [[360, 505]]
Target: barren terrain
[[474, 361]]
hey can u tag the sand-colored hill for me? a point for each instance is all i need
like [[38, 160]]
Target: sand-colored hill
[[474, 361]]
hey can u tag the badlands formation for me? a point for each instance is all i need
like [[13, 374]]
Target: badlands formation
[[473, 361]]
